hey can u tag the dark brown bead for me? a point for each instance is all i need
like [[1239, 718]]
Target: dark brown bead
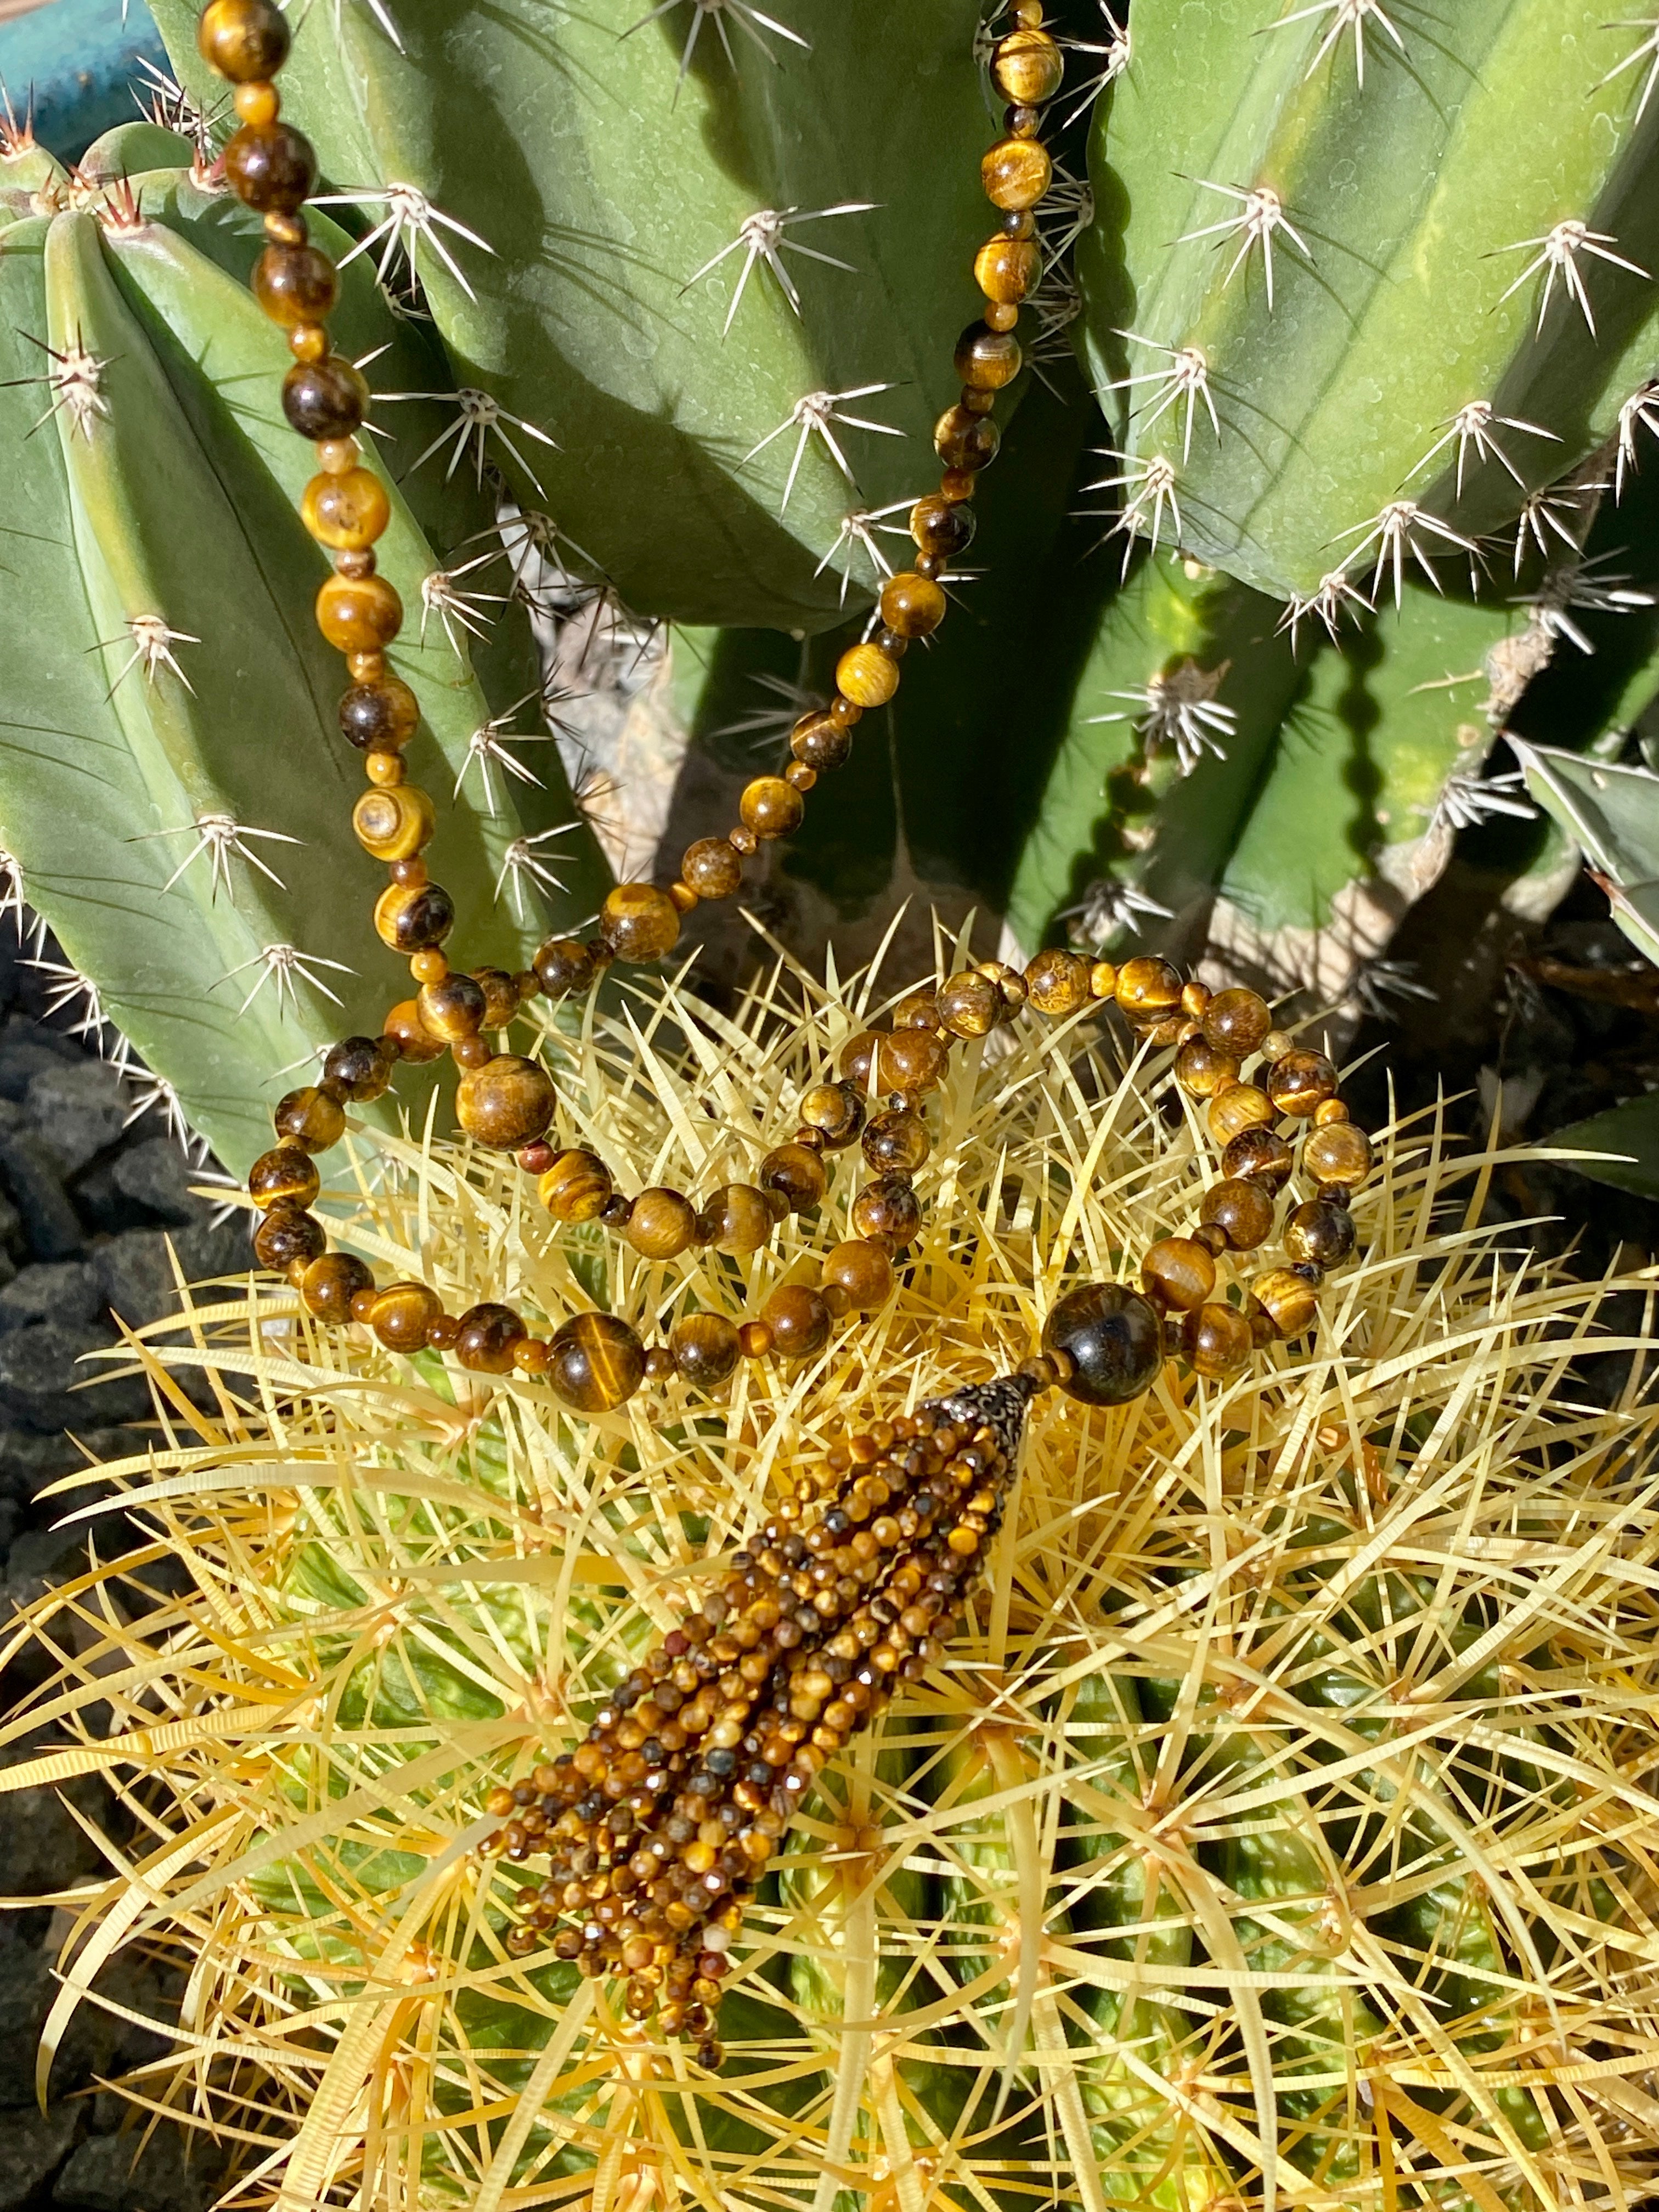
[[943, 527], [736, 1218], [410, 917], [965, 441], [1241, 1106], [487, 1337], [910, 1060], [712, 867], [564, 967], [1057, 982], [969, 1004], [404, 1023], [379, 717], [500, 996], [1339, 1153], [1148, 989], [1288, 1299], [329, 1283], [270, 165], [595, 1362], [1202, 1070], [472, 1052], [246, 41], [835, 1111], [506, 1102], [577, 1187], [705, 1349], [325, 399], [309, 1118], [798, 1320], [856, 1060], [662, 1224], [1242, 1210], [403, 1313], [639, 922], [1236, 1022], [1177, 1271], [1259, 1156], [452, 1007], [285, 1176], [985, 359], [912, 605], [796, 1174], [286, 1234], [1112, 1339], [1301, 1082], [1320, 1232], [296, 284], [888, 1208], [771, 807], [357, 1068], [896, 1143], [863, 1271], [1217, 1339]]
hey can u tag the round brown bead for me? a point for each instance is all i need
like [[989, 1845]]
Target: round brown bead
[[486, 1337], [1320, 1232], [985, 359], [270, 167], [325, 398], [1241, 1106], [358, 614], [329, 1283], [1005, 269], [963, 439], [798, 1320], [866, 675], [913, 605], [795, 1173], [1148, 989], [296, 284], [705, 1349], [357, 1068], [451, 1008], [393, 824], [1288, 1299], [577, 1187], [942, 527], [1244, 1211], [564, 967], [379, 717], [246, 41], [638, 922], [415, 1045], [968, 1005], [1057, 982], [771, 807], [910, 1060], [1301, 1082], [1016, 173], [1177, 1271], [856, 1060], [862, 1272], [1339, 1152], [888, 1208], [1218, 1340], [309, 1118], [662, 1224], [1260, 1155], [896, 1143], [712, 867], [821, 742], [283, 1176], [402, 1314], [736, 1219], [346, 513], [1202, 1070], [1238, 1022], [506, 1102], [1027, 67], [1113, 1341], [410, 917], [286, 1234], [835, 1111], [500, 996], [595, 1362]]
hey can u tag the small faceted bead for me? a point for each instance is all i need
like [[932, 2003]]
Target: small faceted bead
[[712, 867], [1242, 1210], [968, 1005], [487, 1337], [1057, 982], [913, 605], [771, 807], [1241, 1106], [1112, 1339], [283, 1176], [835, 1111], [796, 1174], [1148, 990], [410, 917], [595, 1362], [296, 284], [1027, 67], [1177, 1271], [736, 1218], [1202, 1071], [309, 1118], [866, 675], [357, 1068], [863, 1271], [395, 824], [888, 1208], [705, 1349], [246, 41], [638, 922], [500, 996], [288, 1234], [798, 1320], [1006, 268], [348, 513], [404, 1022], [1301, 1082], [1016, 173], [821, 742], [329, 1283], [896, 1143], [1320, 1232], [986, 360], [662, 1225], [578, 1187], [910, 1060], [359, 614], [1236, 1022], [451, 1008], [564, 967], [1261, 1156], [402, 1314], [1339, 1153], [506, 1102], [325, 398], [942, 527], [1217, 1339], [379, 717], [1288, 1299], [963, 439]]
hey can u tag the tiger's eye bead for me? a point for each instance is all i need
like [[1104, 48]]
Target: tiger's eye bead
[[402, 1314], [1016, 173], [1148, 990], [578, 1187], [295, 285], [325, 399], [486, 1337], [1113, 1339], [1320, 1232], [1244, 1211], [771, 807], [888, 1208], [1339, 1153], [1005, 269], [1202, 1070], [857, 1060], [1301, 1082], [270, 165], [358, 614], [410, 917], [736, 1219], [283, 1176], [896, 1143], [912, 605], [415, 1045], [451, 1008], [866, 675], [564, 967], [329, 1283], [395, 824], [1057, 982], [820, 742], [986, 360], [862, 1272], [968, 1005], [910, 1060], [500, 993], [917, 1010], [1288, 1299], [347, 511], [712, 868], [1259, 1156], [1177, 1271], [288, 1234], [798, 1320], [470, 1051], [1027, 67], [379, 717], [705, 1349], [639, 922], [1330, 1109], [1241, 1106], [966, 440], [595, 1362], [942, 527], [310, 1119], [835, 1111], [506, 1102], [796, 1175], [1218, 1340], [662, 1224], [1236, 1022], [246, 41]]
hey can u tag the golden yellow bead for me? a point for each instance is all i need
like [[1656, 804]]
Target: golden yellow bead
[[1288, 1299], [412, 917], [1339, 1153], [866, 675], [359, 614], [1016, 173], [452, 1007], [1177, 1271], [346, 512], [1301, 1082], [862, 1271], [394, 824], [1238, 1022], [1027, 68], [506, 1102], [1241, 1106], [771, 807], [1057, 982], [736, 1219], [577, 1187], [1219, 1340], [1006, 268], [638, 922], [1147, 989], [662, 1223]]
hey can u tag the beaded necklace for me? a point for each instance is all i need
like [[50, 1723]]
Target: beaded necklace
[[658, 1825]]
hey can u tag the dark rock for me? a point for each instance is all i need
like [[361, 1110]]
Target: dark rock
[[38, 1376], [30, 1173], [42, 1847], [155, 1175], [223, 1248], [27, 1987], [125, 2172], [29, 1461], [25, 1053], [135, 1276], [79, 1110], [32, 2143], [8, 1265], [13, 1242], [65, 1291]]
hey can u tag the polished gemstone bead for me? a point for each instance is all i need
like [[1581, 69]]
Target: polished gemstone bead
[[379, 717], [564, 967], [917, 1010], [888, 1208], [736, 1219], [246, 41], [358, 614], [856, 1060], [270, 165], [662, 1224], [486, 1337], [638, 922], [1330, 1109], [821, 742], [1301, 1082], [1057, 982], [1112, 1337], [329, 1283], [296, 284], [410, 917], [309, 1118], [705, 1349], [910, 1060], [500, 995], [577, 1187], [402, 1314], [288, 1233], [1027, 67], [1241, 1106], [1103, 979], [1218, 1340], [1202, 1070], [913, 605], [896, 1143], [1288, 1299], [283, 1176], [963, 439], [395, 824], [771, 807], [862, 1271], [798, 1320], [1321, 1232], [506, 1102], [470, 1051], [866, 675], [1177, 1271], [1148, 989], [1259, 1156], [1242, 1210], [404, 1022], [1339, 1152], [985, 359], [451, 1008], [712, 867], [348, 511], [835, 1111], [595, 1362], [1236, 1022], [795, 1173], [1006, 268], [943, 527], [1016, 173], [325, 399], [969, 1005]]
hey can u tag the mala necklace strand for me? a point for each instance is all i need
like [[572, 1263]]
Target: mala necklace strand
[[658, 1825]]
